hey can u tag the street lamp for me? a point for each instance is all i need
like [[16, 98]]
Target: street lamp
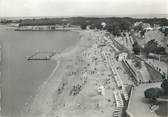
[[167, 73], [141, 50]]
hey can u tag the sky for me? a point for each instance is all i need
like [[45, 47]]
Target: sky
[[29, 8]]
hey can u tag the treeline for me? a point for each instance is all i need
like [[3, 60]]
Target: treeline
[[113, 24], [6, 21], [42, 21], [150, 47], [152, 21]]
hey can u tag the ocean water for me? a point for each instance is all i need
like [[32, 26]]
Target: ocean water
[[21, 78]]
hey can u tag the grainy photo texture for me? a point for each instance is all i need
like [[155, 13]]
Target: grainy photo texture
[[83, 58]]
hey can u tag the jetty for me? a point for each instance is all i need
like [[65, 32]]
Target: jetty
[[41, 55]]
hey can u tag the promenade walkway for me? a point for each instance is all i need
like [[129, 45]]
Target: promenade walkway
[[158, 65]]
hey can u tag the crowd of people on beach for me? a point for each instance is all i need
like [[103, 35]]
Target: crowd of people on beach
[[98, 67], [88, 82]]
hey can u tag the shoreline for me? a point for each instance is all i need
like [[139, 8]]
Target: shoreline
[[28, 104], [25, 80], [55, 72], [72, 88]]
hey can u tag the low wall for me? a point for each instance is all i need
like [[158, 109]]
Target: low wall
[[129, 114], [155, 75]]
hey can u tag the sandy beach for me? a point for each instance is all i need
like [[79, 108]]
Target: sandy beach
[[41, 104], [71, 89]]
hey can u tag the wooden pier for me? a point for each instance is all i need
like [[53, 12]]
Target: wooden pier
[[41, 56]]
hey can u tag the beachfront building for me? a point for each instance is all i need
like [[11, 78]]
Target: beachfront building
[[156, 35], [38, 27], [122, 56], [118, 99], [147, 27], [156, 27], [138, 23], [119, 104], [51, 27]]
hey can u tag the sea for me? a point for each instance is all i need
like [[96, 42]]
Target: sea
[[20, 78]]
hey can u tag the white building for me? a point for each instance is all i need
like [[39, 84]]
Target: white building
[[122, 56]]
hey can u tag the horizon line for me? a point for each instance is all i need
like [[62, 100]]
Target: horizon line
[[98, 16]]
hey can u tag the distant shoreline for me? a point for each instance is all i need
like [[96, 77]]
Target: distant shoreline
[[98, 16], [42, 30]]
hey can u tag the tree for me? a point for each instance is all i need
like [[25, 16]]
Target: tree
[[151, 46], [160, 50], [83, 26], [164, 86], [109, 28], [142, 32], [136, 48], [153, 93], [99, 26], [116, 30], [138, 28], [138, 64], [166, 32], [125, 25]]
